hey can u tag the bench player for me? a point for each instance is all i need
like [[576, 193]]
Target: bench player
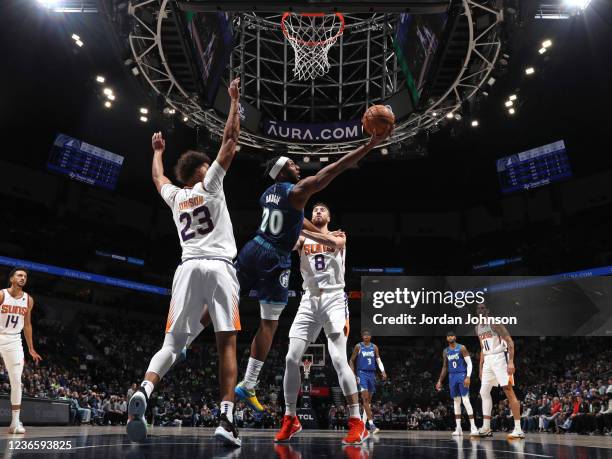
[[496, 369], [206, 274], [456, 361], [16, 315], [264, 262], [323, 306], [367, 358]]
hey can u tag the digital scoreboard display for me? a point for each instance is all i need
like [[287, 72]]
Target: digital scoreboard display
[[84, 162], [534, 168]]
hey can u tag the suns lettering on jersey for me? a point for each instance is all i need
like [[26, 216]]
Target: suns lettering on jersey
[[311, 249], [9, 309], [486, 335], [191, 202]]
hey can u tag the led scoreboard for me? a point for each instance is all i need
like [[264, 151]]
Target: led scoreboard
[[84, 162], [533, 168]]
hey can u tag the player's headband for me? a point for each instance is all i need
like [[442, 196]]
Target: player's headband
[[278, 166]]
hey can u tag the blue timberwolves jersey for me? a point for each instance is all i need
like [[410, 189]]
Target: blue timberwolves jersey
[[456, 362], [281, 223], [366, 359]]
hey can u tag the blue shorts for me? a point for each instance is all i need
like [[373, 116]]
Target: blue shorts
[[367, 381], [455, 382], [261, 267]]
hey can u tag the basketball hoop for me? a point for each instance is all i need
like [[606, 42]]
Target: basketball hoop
[[311, 35], [307, 364]]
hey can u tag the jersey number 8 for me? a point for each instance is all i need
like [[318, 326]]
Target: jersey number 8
[[272, 220]]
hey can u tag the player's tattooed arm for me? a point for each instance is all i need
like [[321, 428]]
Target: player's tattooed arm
[[231, 132], [443, 372], [27, 330], [157, 170], [505, 335], [305, 188], [334, 239]]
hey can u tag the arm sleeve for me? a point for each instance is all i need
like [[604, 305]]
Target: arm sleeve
[[168, 193], [381, 367], [468, 362], [213, 182]]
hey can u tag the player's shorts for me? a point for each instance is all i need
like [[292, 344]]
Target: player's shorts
[[367, 381], [204, 281], [321, 309], [495, 370], [262, 267], [455, 383], [11, 349]]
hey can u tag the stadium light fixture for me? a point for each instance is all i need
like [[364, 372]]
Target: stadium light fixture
[[185, 119], [100, 79], [144, 110], [580, 4], [144, 119], [384, 151], [529, 70], [512, 97], [512, 111], [475, 123], [79, 43], [238, 147], [111, 97], [324, 159], [306, 159], [546, 43], [542, 50], [75, 37], [450, 115], [107, 91], [107, 104], [509, 103], [434, 114]]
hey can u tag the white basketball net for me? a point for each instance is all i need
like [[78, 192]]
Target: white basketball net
[[307, 365], [311, 35]]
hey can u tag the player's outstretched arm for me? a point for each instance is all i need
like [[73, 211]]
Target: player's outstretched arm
[[27, 330], [304, 189], [334, 239], [443, 372], [157, 170], [232, 127]]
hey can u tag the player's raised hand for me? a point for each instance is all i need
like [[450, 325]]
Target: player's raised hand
[[377, 138], [157, 142], [234, 89], [35, 356], [438, 386]]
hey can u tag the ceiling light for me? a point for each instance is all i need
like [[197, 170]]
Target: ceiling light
[[100, 79], [512, 111], [529, 70], [107, 91], [542, 50], [111, 97], [185, 119], [434, 114], [582, 4], [475, 123], [144, 119], [107, 104], [79, 43], [384, 151], [75, 37], [509, 103], [144, 110], [324, 159], [450, 115], [546, 43], [512, 97], [306, 159]]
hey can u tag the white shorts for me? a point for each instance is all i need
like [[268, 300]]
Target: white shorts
[[11, 349], [318, 310], [495, 370], [202, 282]]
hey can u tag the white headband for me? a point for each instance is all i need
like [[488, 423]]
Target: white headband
[[280, 163]]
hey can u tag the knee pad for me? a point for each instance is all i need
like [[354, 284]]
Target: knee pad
[[457, 405]]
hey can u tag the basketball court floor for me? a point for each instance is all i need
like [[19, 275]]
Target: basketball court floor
[[189, 442]]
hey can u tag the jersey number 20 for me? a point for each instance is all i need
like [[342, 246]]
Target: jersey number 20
[[272, 220], [205, 223]]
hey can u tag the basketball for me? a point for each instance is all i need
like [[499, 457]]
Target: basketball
[[378, 118]]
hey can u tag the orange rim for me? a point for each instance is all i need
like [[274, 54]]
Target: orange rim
[[311, 43]]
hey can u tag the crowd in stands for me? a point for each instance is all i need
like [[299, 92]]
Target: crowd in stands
[[564, 384]]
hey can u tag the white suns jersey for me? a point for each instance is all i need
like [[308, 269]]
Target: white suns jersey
[[201, 217], [491, 342], [321, 266], [12, 313]]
